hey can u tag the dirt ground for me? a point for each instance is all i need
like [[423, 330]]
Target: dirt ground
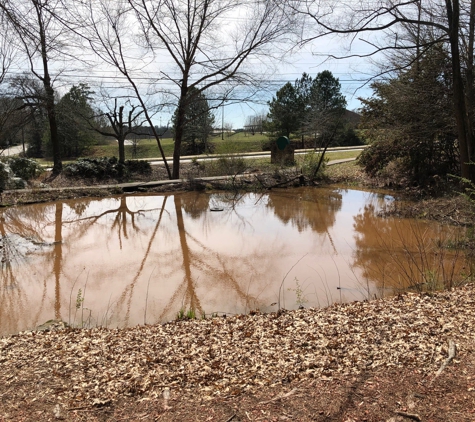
[[304, 365], [36, 382], [396, 395]]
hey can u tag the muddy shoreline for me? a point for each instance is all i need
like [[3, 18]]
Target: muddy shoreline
[[450, 208]]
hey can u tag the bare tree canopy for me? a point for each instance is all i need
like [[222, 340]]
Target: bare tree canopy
[[211, 43], [105, 26], [124, 119], [39, 37]]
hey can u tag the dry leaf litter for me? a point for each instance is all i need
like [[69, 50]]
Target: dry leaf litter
[[226, 356]]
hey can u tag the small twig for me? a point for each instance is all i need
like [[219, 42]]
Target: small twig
[[146, 299], [280, 396], [83, 408], [412, 416], [432, 356], [231, 418], [70, 295], [452, 353], [283, 280]]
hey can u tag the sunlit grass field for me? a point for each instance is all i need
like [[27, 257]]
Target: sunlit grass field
[[227, 144], [147, 148]]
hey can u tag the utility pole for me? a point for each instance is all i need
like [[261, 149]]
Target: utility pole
[[222, 124]]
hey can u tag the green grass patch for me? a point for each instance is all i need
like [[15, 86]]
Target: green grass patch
[[146, 148], [234, 144], [238, 143], [340, 155], [244, 137]]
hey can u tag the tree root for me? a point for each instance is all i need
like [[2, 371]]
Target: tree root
[[452, 353]]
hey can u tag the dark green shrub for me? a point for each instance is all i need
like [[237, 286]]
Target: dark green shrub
[[3, 176], [138, 166], [378, 155], [24, 167], [93, 168], [105, 167], [197, 147]]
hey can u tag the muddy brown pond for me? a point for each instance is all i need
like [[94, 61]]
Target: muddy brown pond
[[135, 259]]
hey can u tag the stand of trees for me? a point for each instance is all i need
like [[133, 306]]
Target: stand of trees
[[410, 124], [200, 40], [40, 41], [256, 123], [404, 32], [313, 109], [197, 125], [205, 54]]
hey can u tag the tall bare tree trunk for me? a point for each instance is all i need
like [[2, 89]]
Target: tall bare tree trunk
[[49, 104], [179, 126], [465, 137], [469, 89]]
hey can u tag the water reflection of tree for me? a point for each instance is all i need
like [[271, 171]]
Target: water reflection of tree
[[58, 258], [61, 225], [11, 296], [312, 209], [127, 294], [201, 266], [21, 232], [400, 253], [195, 204], [194, 256], [28, 227], [121, 224], [197, 256]]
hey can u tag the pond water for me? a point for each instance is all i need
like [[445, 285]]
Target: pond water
[[137, 259]]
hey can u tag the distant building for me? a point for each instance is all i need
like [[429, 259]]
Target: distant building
[[352, 117]]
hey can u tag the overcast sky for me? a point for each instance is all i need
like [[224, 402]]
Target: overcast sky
[[353, 74]]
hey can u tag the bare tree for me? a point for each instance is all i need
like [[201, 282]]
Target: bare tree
[[124, 120], [451, 22], [7, 52], [255, 123], [39, 38], [11, 121], [105, 26], [208, 46], [8, 104], [228, 128], [28, 111]]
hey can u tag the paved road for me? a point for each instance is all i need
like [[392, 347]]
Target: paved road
[[11, 151], [188, 159], [263, 154]]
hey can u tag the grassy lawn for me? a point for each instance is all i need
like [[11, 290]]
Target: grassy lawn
[[236, 143], [239, 142], [147, 148], [337, 155], [340, 155]]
